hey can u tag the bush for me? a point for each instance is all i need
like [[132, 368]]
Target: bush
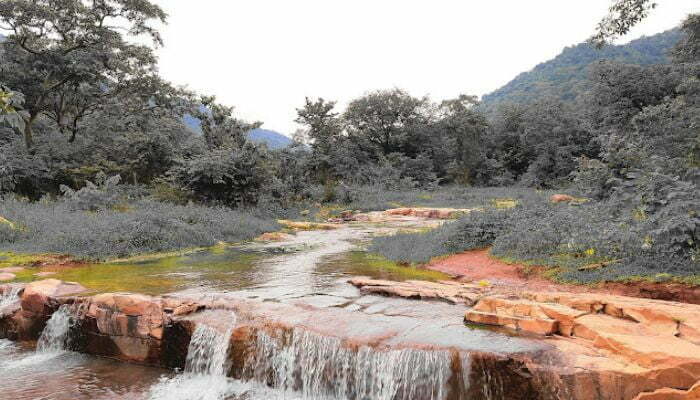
[[147, 226], [590, 242], [229, 176], [478, 230]]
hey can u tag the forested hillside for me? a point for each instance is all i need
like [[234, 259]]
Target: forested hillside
[[566, 76]]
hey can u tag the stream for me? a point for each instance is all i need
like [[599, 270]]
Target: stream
[[309, 269]]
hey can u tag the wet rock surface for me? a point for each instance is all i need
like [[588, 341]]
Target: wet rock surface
[[646, 344]]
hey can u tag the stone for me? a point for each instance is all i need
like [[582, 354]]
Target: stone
[[136, 304], [532, 325], [672, 394], [7, 276], [479, 317], [590, 326], [274, 237], [35, 297], [12, 270], [399, 211], [516, 308], [650, 351], [566, 316], [455, 293], [537, 326], [305, 226], [561, 198]]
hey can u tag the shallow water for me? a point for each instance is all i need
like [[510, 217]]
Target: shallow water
[[309, 263], [28, 375]]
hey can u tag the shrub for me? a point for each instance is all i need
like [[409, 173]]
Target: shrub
[[588, 242], [477, 230], [230, 176], [147, 226]]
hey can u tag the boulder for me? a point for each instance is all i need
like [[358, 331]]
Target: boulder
[[561, 198], [37, 296]]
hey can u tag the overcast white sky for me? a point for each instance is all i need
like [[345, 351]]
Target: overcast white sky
[[265, 56]]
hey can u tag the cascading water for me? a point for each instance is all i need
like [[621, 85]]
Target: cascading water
[[205, 367], [54, 338], [9, 298], [53, 342], [318, 367], [207, 353]]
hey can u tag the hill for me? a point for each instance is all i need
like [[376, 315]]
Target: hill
[[565, 76], [274, 140]]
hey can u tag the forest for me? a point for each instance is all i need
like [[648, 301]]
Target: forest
[[97, 159]]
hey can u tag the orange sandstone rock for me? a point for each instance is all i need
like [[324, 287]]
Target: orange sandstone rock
[[561, 198]]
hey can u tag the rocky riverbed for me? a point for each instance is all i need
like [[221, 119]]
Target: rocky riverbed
[[302, 330]]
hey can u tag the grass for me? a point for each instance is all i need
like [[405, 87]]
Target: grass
[[145, 227]]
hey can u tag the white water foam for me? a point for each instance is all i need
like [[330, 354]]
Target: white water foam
[[316, 367], [54, 337], [9, 298]]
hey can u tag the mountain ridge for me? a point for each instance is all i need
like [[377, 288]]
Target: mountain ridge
[[565, 76]]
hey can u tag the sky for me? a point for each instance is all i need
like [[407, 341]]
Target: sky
[[265, 56]]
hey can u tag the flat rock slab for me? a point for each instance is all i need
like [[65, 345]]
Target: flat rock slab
[[672, 394], [452, 292], [654, 343], [7, 276]]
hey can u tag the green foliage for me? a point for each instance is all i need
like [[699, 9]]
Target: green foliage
[[70, 59], [565, 77], [622, 16], [230, 176]]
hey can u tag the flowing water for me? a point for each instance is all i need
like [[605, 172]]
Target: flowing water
[[315, 366], [206, 367], [50, 372], [310, 269], [9, 299], [55, 336]]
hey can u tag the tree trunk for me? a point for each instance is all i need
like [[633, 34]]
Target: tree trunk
[[29, 134]]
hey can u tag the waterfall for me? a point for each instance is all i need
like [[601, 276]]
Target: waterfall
[[206, 367], [207, 353], [9, 298], [54, 338], [322, 367]]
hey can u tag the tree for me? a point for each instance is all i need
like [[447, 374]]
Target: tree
[[323, 129], [466, 128], [219, 127], [622, 16], [386, 121], [323, 125], [688, 48], [69, 57]]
